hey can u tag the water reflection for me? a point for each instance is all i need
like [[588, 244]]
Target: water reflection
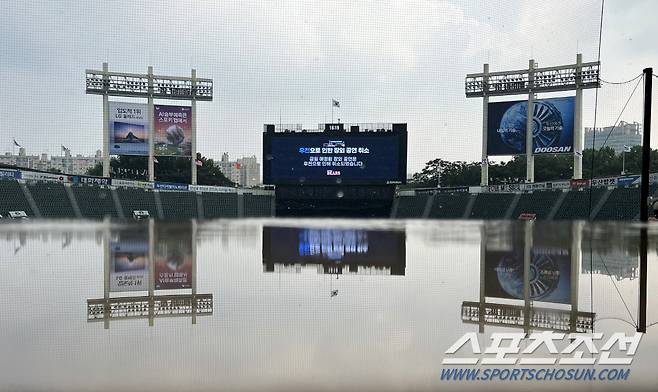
[[282, 303], [149, 258], [529, 278], [334, 250]]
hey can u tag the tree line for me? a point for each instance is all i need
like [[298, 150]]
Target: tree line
[[598, 163], [168, 169]]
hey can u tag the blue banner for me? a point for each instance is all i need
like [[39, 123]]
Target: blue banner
[[10, 173], [552, 126], [626, 181], [170, 186]]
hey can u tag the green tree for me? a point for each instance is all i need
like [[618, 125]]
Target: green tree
[[168, 169], [606, 163]]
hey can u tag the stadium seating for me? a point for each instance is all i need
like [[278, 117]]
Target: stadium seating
[[257, 205], [51, 199], [539, 203], [449, 205], [623, 204], [133, 199], [12, 198], [491, 205], [412, 206], [179, 205], [219, 205], [94, 202], [576, 204]]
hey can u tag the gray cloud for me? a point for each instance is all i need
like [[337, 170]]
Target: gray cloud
[[401, 61]]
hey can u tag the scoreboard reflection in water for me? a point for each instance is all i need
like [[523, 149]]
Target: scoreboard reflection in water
[[335, 158], [339, 250]]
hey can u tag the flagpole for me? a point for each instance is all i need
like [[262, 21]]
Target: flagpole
[[332, 110]]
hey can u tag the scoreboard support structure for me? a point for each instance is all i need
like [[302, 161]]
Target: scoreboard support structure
[[530, 81], [150, 86]]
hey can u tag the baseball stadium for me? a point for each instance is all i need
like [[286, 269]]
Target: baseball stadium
[[402, 195]]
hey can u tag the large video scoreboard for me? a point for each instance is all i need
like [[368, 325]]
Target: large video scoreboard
[[336, 157]]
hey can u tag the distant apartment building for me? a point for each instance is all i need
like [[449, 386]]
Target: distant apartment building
[[244, 172], [249, 171], [67, 163], [624, 134]]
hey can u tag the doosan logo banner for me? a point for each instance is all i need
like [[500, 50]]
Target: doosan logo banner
[[552, 126], [563, 149]]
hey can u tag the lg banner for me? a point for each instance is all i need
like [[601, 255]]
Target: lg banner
[[128, 128]]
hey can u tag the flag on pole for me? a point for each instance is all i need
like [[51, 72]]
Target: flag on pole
[[627, 148], [155, 160], [198, 162], [335, 103], [16, 143]]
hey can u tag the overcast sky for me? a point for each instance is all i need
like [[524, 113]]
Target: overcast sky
[[386, 61]]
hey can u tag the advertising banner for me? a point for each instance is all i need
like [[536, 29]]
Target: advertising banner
[[39, 176], [128, 128], [91, 180], [167, 186], [552, 126], [608, 181], [580, 183], [452, 189], [173, 256], [211, 188], [132, 184], [173, 130], [129, 261], [628, 181], [8, 173]]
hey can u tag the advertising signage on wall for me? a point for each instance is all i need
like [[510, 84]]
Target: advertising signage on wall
[[552, 131], [128, 128], [173, 130]]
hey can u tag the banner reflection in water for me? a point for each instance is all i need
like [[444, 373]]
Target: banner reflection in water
[[149, 256]]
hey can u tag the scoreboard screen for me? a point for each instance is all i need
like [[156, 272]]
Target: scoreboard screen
[[322, 158]]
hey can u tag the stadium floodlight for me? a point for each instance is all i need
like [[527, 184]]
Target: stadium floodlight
[[137, 85], [504, 315], [180, 305], [550, 79]]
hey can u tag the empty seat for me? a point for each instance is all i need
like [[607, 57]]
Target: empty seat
[[51, 199], [219, 205], [12, 197], [412, 206]]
